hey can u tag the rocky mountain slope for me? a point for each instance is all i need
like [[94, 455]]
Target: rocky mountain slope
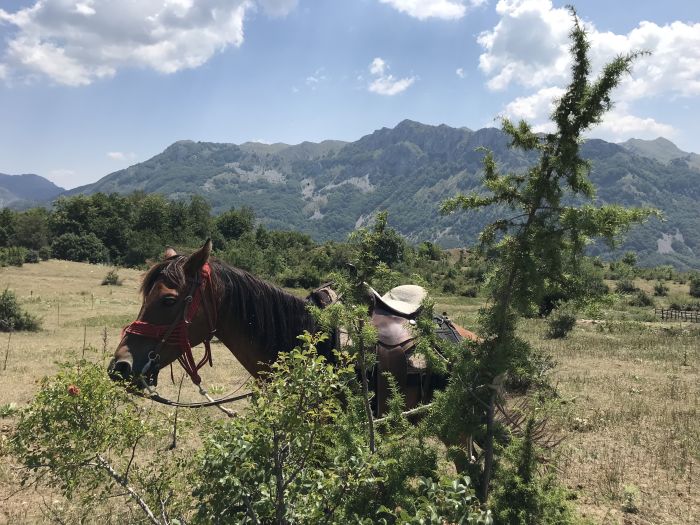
[[329, 188]]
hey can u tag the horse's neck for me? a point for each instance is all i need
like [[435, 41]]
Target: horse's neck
[[256, 332], [246, 349]]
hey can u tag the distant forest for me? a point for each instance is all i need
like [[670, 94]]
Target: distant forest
[[133, 230]]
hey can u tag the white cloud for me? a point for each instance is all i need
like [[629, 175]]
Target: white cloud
[[460, 72], [314, 80], [121, 156], [529, 46], [385, 83], [444, 9], [534, 108], [377, 67], [618, 124], [76, 43], [85, 8], [422, 9]]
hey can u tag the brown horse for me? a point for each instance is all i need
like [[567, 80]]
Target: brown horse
[[189, 299]]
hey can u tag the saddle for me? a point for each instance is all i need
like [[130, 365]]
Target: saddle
[[393, 316]]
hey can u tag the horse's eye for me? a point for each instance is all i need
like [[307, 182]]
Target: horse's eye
[[168, 300]]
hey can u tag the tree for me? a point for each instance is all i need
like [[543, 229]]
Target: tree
[[381, 244], [543, 236], [31, 229], [7, 225], [694, 285], [72, 247], [234, 223], [199, 212]]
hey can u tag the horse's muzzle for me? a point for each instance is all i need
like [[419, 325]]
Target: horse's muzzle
[[119, 370]]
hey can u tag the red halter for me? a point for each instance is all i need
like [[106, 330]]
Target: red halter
[[177, 332]]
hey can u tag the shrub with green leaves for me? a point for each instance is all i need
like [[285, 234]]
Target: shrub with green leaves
[[524, 496], [445, 501], [12, 256], [561, 321], [112, 278], [300, 455], [80, 248], [660, 289], [625, 286], [694, 285], [31, 257], [12, 317], [272, 465], [641, 298], [79, 436]]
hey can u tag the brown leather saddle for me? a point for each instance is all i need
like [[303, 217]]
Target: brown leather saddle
[[393, 316]]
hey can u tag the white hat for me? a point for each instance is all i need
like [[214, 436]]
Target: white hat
[[405, 299]]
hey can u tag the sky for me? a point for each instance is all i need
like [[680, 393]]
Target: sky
[[88, 87]]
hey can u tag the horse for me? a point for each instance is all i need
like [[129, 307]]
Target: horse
[[187, 300]]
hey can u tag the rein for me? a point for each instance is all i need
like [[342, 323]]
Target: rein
[[178, 332]]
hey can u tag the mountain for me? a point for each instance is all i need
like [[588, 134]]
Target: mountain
[[327, 189], [663, 150], [23, 191]]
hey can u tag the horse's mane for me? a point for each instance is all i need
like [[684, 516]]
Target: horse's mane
[[274, 317]]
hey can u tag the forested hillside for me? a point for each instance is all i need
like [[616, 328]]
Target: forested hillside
[[328, 189], [22, 191]]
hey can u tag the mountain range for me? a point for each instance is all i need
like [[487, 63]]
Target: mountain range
[[329, 188], [23, 191]]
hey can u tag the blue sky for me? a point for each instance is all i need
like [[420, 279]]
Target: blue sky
[[88, 87]]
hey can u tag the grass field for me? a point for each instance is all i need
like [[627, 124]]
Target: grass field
[[630, 389]]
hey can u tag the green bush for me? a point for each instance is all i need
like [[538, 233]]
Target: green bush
[[79, 248], [112, 279], [561, 321], [660, 289], [12, 256], [625, 286], [523, 496], [297, 456], [470, 291], [79, 437], [694, 286], [445, 501], [45, 253], [12, 317], [31, 257], [303, 277], [276, 463], [449, 286], [641, 298]]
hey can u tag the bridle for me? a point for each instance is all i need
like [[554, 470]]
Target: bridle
[[178, 331]]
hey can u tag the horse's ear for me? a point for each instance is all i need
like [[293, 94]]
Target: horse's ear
[[169, 252], [198, 259]]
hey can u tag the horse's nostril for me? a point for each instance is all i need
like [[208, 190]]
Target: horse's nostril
[[121, 370]]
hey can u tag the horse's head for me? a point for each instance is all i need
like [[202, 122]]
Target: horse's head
[[176, 315]]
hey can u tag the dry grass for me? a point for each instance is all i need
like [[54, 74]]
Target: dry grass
[[631, 417], [632, 425]]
